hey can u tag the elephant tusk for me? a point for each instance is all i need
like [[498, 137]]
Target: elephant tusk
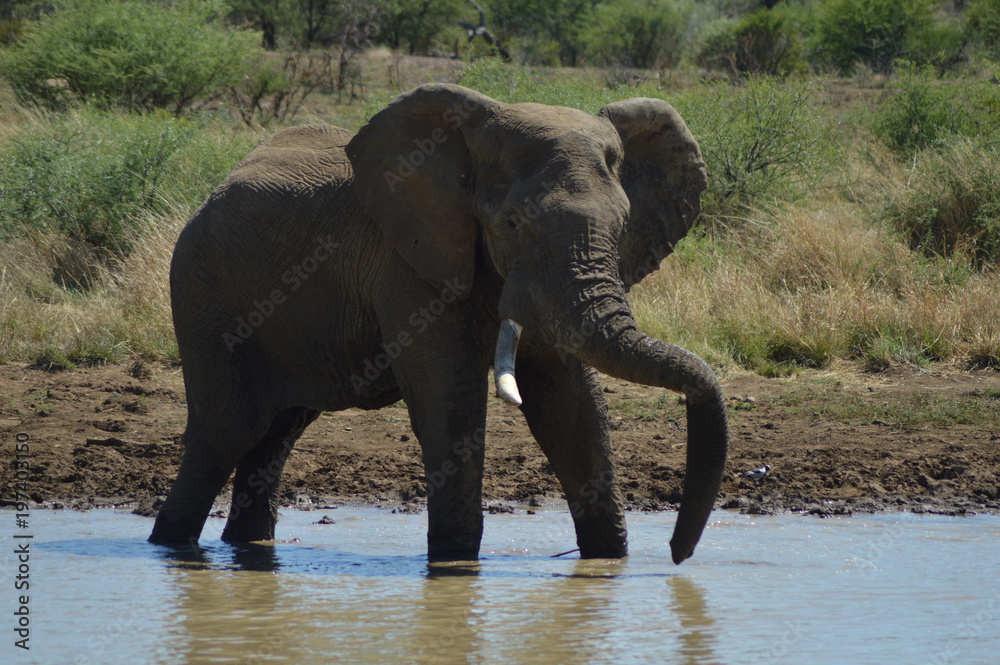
[[503, 362]]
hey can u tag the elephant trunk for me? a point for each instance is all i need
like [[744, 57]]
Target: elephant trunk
[[601, 332]]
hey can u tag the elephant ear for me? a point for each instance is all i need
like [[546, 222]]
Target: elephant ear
[[412, 169], [663, 175]]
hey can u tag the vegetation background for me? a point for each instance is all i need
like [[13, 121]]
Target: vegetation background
[[853, 212]]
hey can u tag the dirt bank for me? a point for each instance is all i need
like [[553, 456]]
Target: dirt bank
[[836, 441]]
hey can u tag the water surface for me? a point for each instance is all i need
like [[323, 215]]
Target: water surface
[[892, 588]]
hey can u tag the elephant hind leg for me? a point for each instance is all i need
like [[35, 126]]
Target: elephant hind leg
[[199, 481], [254, 510]]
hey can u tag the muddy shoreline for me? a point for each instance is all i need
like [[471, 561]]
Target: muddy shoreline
[[838, 442]]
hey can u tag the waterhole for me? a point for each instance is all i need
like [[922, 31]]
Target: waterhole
[[890, 588]]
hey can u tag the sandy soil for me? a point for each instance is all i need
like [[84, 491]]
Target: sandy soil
[[837, 442]]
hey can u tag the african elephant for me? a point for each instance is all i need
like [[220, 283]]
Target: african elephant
[[452, 232]]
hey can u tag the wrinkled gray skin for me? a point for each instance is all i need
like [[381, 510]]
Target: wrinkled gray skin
[[332, 271]]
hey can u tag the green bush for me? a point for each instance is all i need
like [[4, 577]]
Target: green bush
[[919, 109], [90, 174], [129, 54], [950, 205], [634, 33], [879, 32], [983, 26], [760, 139], [765, 42]]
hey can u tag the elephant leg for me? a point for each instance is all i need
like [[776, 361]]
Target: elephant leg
[[443, 377], [450, 422], [254, 510], [566, 412], [201, 477]]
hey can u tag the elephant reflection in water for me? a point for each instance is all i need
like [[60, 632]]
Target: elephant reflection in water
[[582, 618], [255, 610], [452, 233]]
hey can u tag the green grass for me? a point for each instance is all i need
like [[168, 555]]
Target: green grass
[[90, 175], [824, 257], [910, 412], [664, 407], [915, 411]]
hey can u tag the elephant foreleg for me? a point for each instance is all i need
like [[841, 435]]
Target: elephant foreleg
[[452, 440], [566, 412]]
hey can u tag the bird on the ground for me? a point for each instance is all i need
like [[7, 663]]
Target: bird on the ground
[[757, 475]]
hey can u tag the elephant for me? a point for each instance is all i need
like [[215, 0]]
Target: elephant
[[451, 235]]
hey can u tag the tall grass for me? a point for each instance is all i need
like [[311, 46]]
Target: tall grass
[[91, 203], [865, 256], [125, 313], [811, 286], [89, 174]]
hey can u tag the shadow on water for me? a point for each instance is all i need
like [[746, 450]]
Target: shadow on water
[[299, 559]]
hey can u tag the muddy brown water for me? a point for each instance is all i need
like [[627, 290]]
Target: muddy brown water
[[880, 588]]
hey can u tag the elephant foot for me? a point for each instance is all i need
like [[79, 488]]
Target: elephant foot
[[455, 548], [175, 533], [437, 555], [602, 536], [247, 533]]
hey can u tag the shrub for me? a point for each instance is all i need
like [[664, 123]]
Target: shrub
[[918, 110], [765, 42], [983, 25], [635, 33], [878, 32], [950, 202], [277, 85], [759, 139], [89, 174], [129, 54]]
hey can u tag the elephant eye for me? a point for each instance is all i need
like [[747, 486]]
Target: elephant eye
[[513, 222], [611, 159]]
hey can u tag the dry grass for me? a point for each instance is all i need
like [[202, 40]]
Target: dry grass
[[800, 287], [111, 311], [783, 287]]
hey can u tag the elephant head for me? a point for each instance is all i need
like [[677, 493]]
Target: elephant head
[[569, 210]]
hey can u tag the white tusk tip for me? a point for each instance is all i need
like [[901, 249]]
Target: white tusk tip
[[507, 389]]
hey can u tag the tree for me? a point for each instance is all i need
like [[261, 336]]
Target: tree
[[128, 53], [984, 25], [261, 15], [764, 42], [415, 24], [634, 33], [541, 26], [878, 32]]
